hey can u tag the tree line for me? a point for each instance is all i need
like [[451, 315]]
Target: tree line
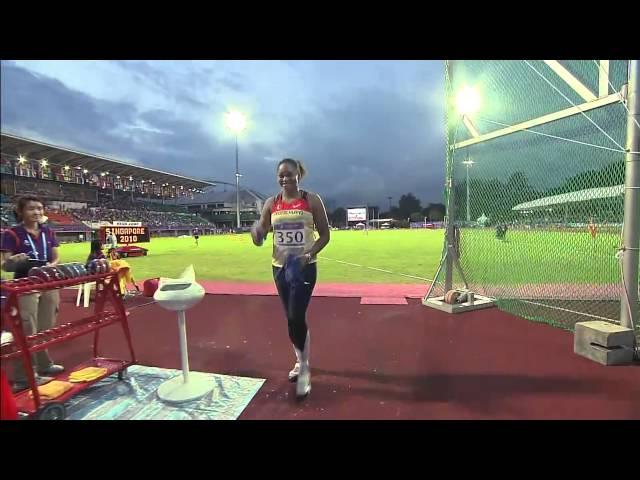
[[408, 209], [496, 198]]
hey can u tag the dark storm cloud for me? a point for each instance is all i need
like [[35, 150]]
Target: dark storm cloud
[[31, 102], [376, 144], [35, 103], [234, 81]]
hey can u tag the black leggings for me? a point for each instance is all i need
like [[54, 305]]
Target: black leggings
[[295, 303]]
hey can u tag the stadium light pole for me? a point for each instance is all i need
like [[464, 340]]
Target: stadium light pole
[[467, 103], [236, 122], [468, 162], [629, 315]]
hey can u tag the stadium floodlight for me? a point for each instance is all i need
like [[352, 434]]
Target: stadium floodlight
[[236, 122], [468, 100], [44, 162], [21, 159]]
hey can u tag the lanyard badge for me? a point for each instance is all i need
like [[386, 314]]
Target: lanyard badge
[[35, 250]]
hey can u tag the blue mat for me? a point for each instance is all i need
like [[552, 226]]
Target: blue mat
[[135, 398]]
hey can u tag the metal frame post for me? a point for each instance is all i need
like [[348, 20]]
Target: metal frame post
[[631, 233]]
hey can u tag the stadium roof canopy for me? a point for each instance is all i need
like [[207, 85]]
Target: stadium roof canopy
[[15, 146], [210, 195], [572, 197]]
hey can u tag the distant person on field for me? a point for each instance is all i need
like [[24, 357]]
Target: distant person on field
[[111, 241], [593, 230]]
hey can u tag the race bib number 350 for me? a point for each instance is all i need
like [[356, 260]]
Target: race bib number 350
[[289, 234]]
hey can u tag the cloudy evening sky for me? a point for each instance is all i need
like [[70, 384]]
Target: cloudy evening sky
[[366, 129]]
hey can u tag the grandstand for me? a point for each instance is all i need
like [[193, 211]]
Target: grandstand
[[573, 209], [83, 190], [220, 206]]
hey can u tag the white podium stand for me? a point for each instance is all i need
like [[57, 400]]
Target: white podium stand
[[179, 295]]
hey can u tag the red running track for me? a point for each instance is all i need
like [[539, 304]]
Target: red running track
[[322, 289], [381, 361]]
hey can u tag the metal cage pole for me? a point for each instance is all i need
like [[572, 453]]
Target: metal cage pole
[[631, 234]]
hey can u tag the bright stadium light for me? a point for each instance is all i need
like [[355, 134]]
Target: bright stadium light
[[468, 100], [44, 162], [85, 170], [235, 121], [21, 159]]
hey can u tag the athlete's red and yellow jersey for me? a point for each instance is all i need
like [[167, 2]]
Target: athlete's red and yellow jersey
[[293, 228]]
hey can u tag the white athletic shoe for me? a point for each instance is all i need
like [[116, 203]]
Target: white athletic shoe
[[293, 374], [303, 382]]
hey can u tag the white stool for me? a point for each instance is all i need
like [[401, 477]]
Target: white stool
[[179, 295], [85, 289]]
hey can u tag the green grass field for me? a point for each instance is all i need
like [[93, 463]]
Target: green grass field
[[537, 256], [235, 258], [523, 258]]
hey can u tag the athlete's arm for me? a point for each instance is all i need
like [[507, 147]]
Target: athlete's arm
[[259, 231], [322, 224]]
